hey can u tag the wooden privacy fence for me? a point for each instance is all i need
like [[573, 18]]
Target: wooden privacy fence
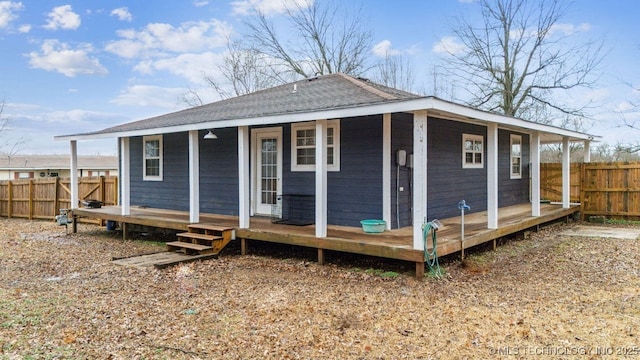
[[603, 189], [43, 198]]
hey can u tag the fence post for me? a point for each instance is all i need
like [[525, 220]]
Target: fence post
[[30, 199], [56, 200], [10, 200], [116, 191], [583, 173], [102, 197]]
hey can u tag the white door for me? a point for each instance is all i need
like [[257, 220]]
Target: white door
[[267, 165]]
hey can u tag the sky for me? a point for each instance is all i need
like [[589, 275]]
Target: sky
[[75, 66]]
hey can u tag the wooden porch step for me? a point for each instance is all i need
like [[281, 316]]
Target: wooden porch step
[[188, 247], [197, 238], [210, 227]]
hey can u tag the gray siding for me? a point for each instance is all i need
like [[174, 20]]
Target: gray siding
[[448, 182], [512, 191], [401, 176], [219, 173], [354, 192], [173, 191]]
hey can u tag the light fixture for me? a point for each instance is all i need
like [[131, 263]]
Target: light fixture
[[210, 135]]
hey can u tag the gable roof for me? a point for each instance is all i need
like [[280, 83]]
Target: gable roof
[[325, 97], [333, 91]]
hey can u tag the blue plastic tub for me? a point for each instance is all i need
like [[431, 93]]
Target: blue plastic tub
[[373, 226], [111, 225]]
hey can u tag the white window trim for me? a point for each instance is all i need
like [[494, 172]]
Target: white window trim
[[511, 157], [333, 124], [474, 138], [146, 177]]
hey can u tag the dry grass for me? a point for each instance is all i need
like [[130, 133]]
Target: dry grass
[[62, 298]]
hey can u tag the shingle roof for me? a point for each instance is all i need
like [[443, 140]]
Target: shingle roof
[[38, 162], [327, 92]]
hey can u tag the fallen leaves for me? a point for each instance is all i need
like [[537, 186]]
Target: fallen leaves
[[62, 297]]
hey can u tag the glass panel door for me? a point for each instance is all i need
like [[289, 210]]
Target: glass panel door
[[268, 167]]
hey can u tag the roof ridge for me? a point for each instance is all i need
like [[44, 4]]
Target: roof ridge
[[367, 87]]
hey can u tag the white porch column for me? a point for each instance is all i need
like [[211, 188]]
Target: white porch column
[[492, 176], [419, 176], [321, 178], [125, 177], [244, 190], [194, 177], [386, 169], [587, 151], [73, 174], [566, 173], [534, 153]]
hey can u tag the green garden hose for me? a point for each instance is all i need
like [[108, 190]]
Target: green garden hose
[[431, 257]]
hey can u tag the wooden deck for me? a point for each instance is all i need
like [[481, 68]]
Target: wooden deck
[[393, 244]]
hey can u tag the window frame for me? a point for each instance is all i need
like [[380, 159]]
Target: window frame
[[158, 177], [515, 175], [474, 138], [331, 124]]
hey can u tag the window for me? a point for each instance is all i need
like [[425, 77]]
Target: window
[[152, 158], [303, 146], [24, 175], [472, 151], [516, 156]]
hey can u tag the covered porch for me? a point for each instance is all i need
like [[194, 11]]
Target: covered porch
[[393, 244]]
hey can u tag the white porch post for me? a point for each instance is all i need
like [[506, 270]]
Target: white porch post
[[419, 176], [321, 178], [492, 176], [73, 174], [125, 177], [194, 177], [244, 190], [386, 169], [566, 173], [534, 151], [587, 151]]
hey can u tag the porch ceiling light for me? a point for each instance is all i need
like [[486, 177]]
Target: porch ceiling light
[[210, 135]]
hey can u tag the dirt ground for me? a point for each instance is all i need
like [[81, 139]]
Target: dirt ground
[[547, 296]]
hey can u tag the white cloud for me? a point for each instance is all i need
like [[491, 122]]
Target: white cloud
[[159, 38], [57, 56], [63, 17], [149, 96], [122, 13], [448, 45], [200, 3], [268, 7], [24, 28], [8, 11], [570, 29], [189, 66], [384, 48]]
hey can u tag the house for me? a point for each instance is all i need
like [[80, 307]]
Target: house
[[13, 167], [335, 149]]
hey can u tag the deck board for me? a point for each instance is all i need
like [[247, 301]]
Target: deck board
[[394, 244]]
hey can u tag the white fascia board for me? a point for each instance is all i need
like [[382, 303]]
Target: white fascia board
[[426, 103]]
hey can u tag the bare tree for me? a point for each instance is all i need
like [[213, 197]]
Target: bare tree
[[8, 146], [243, 70], [518, 59], [395, 71], [320, 38], [629, 118]]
